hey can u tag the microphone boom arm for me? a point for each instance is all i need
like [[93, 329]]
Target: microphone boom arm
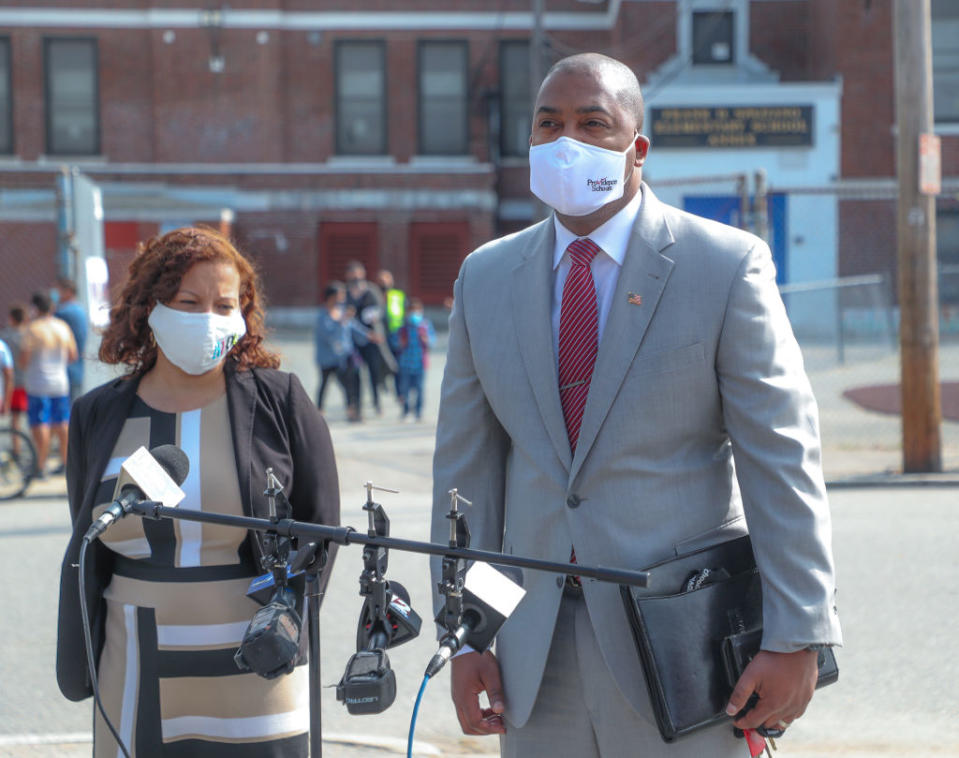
[[347, 535]]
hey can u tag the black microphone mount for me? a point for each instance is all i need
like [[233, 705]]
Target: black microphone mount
[[386, 620], [271, 643], [451, 586], [316, 538]]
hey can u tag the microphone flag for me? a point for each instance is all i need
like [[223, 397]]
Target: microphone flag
[[143, 471]]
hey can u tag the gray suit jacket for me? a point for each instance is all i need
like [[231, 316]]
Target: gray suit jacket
[[700, 422]]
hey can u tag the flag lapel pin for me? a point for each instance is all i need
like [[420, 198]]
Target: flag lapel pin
[[634, 299]]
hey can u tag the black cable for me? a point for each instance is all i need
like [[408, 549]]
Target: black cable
[[479, 68], [648, 36], [88, 643], [668, 78]]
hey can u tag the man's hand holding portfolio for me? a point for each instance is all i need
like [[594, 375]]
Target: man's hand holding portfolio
[[784, 684], [471, 674]]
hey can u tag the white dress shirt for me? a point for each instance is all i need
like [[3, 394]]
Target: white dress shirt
[[613, 238]]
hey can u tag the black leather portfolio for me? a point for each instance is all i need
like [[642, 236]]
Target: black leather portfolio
[[696, 626]]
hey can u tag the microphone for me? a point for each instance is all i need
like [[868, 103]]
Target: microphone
[[368, 685], [401, 624], [146, 475], [490, 596]]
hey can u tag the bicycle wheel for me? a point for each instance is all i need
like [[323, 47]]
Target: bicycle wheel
[[18, 463]]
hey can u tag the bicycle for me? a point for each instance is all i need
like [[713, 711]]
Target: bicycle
[[18, 462]]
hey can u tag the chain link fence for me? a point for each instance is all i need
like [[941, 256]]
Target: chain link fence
[[847, 326]]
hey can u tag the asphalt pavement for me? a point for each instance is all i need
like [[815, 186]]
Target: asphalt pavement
[[895, 541]]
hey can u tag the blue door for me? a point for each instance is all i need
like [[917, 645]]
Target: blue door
[[725, 209]]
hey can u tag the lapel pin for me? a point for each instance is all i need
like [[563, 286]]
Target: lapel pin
[[634, 299]]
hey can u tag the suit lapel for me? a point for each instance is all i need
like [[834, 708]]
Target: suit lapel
[[532, 300], [638, 290], [241, 401]]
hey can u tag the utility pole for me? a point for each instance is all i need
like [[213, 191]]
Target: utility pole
[[916, 225]]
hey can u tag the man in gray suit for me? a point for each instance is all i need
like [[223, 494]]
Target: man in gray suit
[[623, 386]]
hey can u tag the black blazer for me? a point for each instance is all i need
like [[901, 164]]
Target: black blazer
[[274, 423]]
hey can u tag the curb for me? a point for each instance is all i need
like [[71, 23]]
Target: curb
[[360, 741], [895, 479]]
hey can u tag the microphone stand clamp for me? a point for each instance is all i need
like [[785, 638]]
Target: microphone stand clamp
[[270, 645], [454, 572], [368, 685]]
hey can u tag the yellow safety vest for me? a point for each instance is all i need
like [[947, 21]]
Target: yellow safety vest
[[395, 309]]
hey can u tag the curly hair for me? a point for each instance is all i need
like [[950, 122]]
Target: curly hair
[[155, 276]]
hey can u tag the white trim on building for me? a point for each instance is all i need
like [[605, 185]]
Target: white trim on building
[[157, 202], [336, 165], [159, 18]]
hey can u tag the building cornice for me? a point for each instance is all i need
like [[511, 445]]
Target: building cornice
[[283, 20], [337, 166]]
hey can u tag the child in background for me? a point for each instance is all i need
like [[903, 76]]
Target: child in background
[[336, 329], [415, 338]]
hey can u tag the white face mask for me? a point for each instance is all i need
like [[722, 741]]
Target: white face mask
[[195, 342], [575, 178]]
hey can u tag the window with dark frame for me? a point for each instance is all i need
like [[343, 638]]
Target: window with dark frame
[[443, 98], [516, 103], [72, 96], [6, 98], [360, 97], [945, 60], [713, 42], [947, 254]]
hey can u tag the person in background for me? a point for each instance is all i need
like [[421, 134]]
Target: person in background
[[414, 339], [72, 311], [168, 602], [336, 355], [12, 334], [395, 303], [6, 377], [367, 302], [45, 351]]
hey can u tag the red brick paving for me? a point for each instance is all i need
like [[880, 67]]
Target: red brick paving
[[885, 398]]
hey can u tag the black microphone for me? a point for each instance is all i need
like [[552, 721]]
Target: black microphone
[[368, 685], [401, 624], [490, 595], [146, 475]]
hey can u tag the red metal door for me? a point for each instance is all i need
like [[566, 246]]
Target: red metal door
[[436, 252], [342, 242]]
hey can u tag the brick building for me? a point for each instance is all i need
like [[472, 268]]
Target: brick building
[[396, 134]]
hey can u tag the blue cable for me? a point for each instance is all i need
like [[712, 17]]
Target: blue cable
[[416, 708]]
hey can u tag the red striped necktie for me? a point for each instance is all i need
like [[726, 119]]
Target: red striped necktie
[[578, 336]]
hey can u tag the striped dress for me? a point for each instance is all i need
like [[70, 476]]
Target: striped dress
[[177, 609]]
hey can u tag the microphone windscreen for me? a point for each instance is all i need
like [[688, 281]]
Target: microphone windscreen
[[173, 460], [399, 591]]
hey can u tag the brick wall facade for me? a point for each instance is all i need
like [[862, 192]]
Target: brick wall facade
[[273, 103]]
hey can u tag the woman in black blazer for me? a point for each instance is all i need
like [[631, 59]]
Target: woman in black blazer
[[167, 599]]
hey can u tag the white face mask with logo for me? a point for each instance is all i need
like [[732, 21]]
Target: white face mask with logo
[[195, 342], [574, 178]]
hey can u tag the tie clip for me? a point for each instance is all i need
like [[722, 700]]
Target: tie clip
[[572, 384]]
